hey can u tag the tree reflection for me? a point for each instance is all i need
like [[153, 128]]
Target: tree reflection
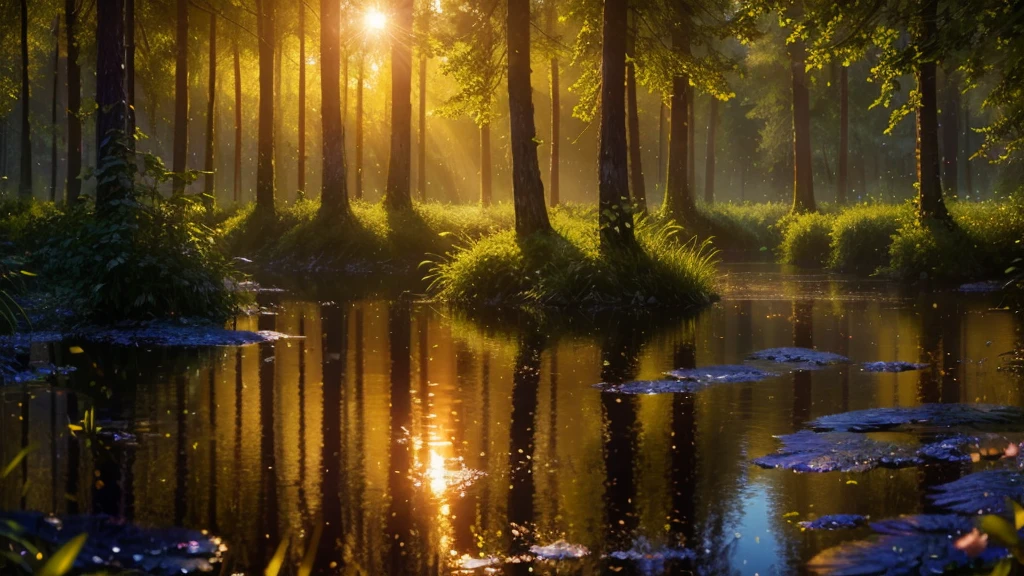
[[525, 387]]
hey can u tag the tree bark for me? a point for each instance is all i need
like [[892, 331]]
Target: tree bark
[[556, 113], [709, 153], [527, 188], [111, 100], [334, 192], [211, 100], [421, 152], [950, 136], [615, 220], [238, 125], [265, 136], [302, 98], [397, 194], [129, 55], [53, 110], [25, 181], [967, 147], [678, 201], [344, 86], [636, 171], [803, 170], [930, 203], [180, 161], [74, 103], [691, 143], [485, 164], [842, 190], [359, 128]]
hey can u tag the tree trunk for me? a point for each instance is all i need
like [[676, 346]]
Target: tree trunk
[[238, 125], [556, 113], [25, 182], [636, 171], [678, 201], [421, 153], [211, 100], [615, 220], [334, 192], [74, 103], [265, 136], [397, 194], [180, 162], [709, 153], [111, 102], [344, 86], [527, 188], [691, 138], [485, 164], [967, 147], [129, 55], [662, 160], [53, 110], [302, 98], [930, 204], [359, 128], [950, 135], [803, 170], [842, 190]]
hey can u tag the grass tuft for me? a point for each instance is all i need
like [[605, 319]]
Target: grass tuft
[[862, 235], [806, 239]]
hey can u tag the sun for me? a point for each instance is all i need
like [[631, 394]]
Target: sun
[[375, 20]]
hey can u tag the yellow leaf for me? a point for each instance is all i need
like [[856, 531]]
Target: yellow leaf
[[76, 350], [274, 566], [1018, 514], [306, 568], [62, 560], [998, 528], [27, 273], [1003, 568], [17, 460]]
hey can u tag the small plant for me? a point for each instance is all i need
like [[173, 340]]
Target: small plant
[[806, 239]]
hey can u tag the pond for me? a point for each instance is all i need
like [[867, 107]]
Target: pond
[[427, 443]]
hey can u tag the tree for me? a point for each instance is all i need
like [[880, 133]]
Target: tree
[[25, 181], [53, 110], [129, 55], [359, 126], [237, 180], [265, 137], [396, 194], [615, 219], [181, 97], [302, 96], [424, 54], [556, 111], [112, 107], [843, 185], [803, 169], [71, 8], [527, 188], [636, 171], [709, 153], [950, 133], [930, 203], [678, 201], [334, 192], [211, 100]]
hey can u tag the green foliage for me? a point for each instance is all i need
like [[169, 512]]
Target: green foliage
[[566, 269], [862, 235], [806, 239], [750, 227]]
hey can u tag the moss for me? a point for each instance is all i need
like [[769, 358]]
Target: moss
[[565, 270], [806, 239], [862, 235]]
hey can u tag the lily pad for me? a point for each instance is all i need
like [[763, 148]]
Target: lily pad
[[118, 545], [982, 492], [807, 451], [891, 366], [803, 357], [727, 373], [834, 522], [923, 416]]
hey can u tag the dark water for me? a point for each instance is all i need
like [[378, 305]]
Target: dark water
[[416, 438]]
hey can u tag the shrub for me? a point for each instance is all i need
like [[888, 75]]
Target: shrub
[[806, 239], [748, 227], [862, 235]]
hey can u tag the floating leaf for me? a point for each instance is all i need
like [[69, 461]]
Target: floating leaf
[[64, 559], [927, 416]]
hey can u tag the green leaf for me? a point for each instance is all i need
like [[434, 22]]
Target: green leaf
[[1003, 568], [13, 464], [998, 528], [62, 560], [274, 566], [1018, 514]]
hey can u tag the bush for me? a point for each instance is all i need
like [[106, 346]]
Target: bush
[[862, 235], [747, 227], [566, 269], [806, 239]]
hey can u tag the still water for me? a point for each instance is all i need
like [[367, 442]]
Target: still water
[[418, 439]]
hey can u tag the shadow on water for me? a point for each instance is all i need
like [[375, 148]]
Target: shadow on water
[[420, 440]]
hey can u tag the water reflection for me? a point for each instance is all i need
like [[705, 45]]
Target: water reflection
[[416, 439]]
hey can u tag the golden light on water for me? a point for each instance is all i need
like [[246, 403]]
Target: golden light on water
[[437, 473], [375, 20]]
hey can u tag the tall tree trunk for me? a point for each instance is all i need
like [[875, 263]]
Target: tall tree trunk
[[842, 190], [803, 170], [556, 112], [396, 194], [709, 153], [53, 110], [265, 137], [661, 146], [950, 135], [678, 201], [334, 192], [211, 100], [691, 139], [344, 86], [930, 203], [302, 99], [111, 102], [636, 171], [180, 162], [74, 103], [485, 164], [527, 188], [615, 220], [967, 147], [237, 196], [421, 153], [359, 127], [129, 55], [25, 182]]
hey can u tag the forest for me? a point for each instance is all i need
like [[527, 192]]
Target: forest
[[511, 286]]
